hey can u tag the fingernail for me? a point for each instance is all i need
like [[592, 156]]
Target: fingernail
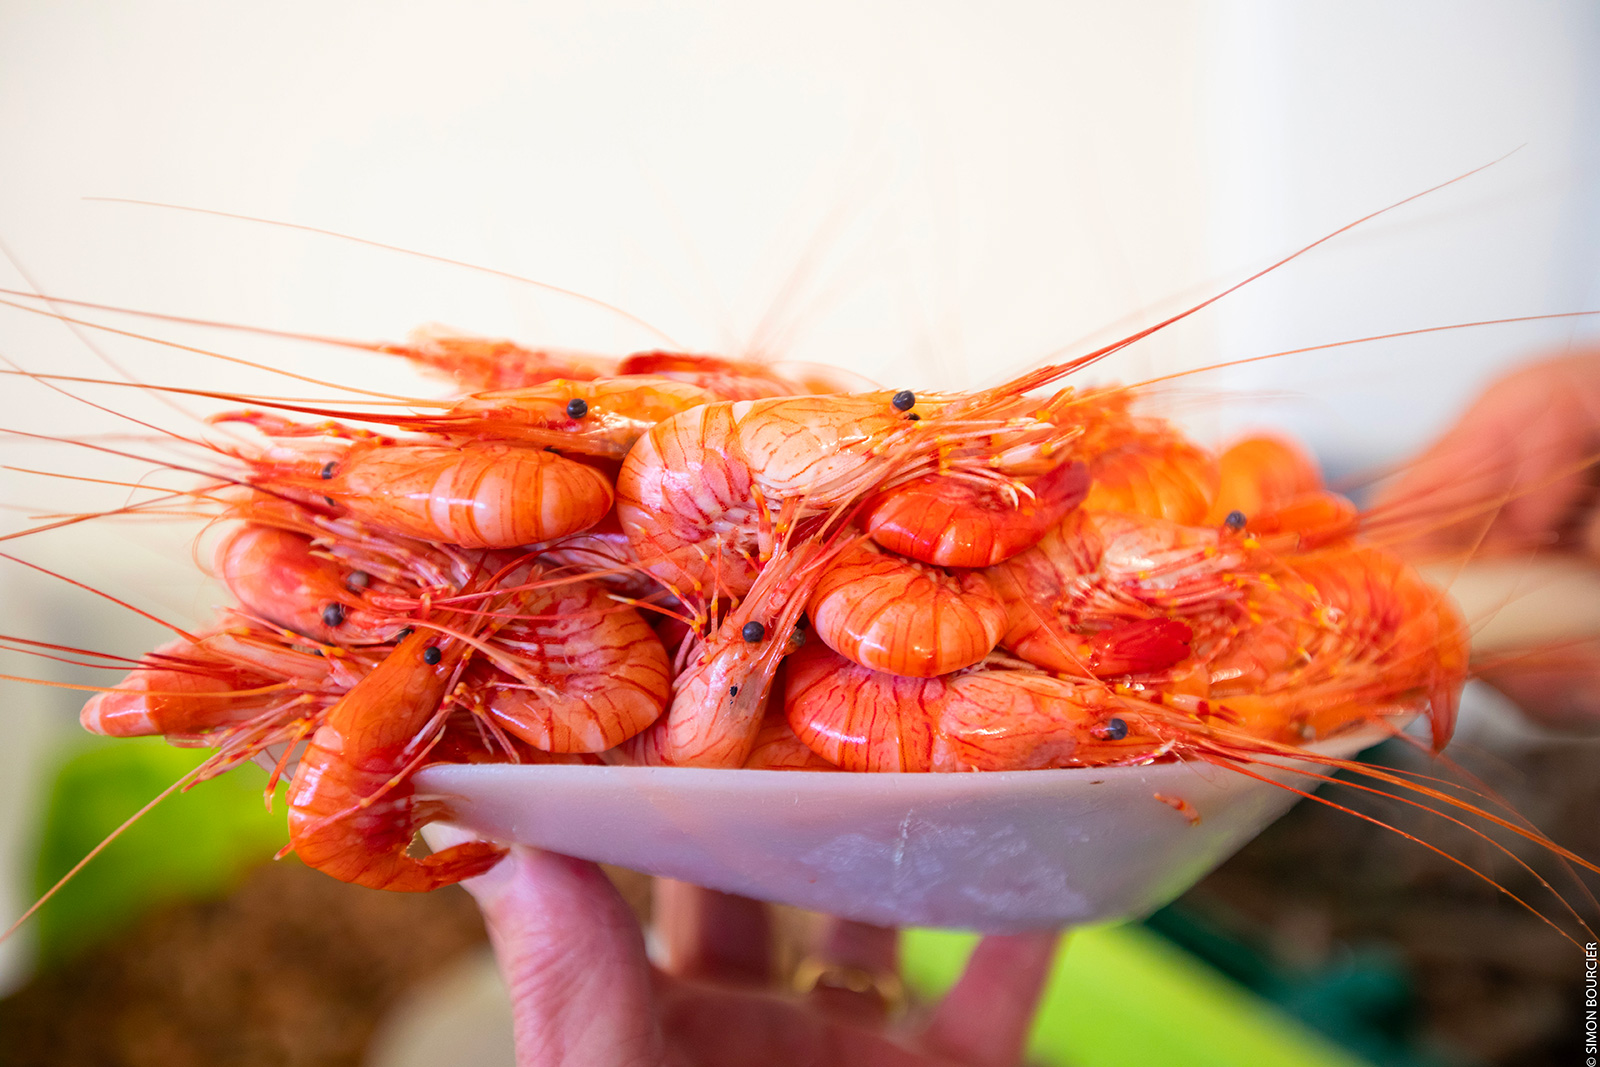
[[486, 887]]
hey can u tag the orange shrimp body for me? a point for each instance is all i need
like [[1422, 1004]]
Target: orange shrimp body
[[1278, 489], [778, 749], [1360, 630], [493, 363], [574, 673], [1070, 598], [864, 720], [208, 690], [1308, 521], [903, 617], [1164, 478], [352, 809], [1260, 474], [474, 495], [720, 697], [184, 691], [726, 379], [276, 574], [953, 523], [704, 494], [601, 417]]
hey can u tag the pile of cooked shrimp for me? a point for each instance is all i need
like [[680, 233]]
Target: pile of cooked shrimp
[[678, 560]]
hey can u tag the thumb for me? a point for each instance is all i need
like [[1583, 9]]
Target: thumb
[[573, 959]]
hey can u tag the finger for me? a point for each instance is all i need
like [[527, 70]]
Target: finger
[[573, 959], [712, 936], [984, 1020], [719, 1026], [853, 973]]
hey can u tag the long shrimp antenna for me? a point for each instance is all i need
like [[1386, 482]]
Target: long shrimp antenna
[[186, 635], [200, 351], [182, 783], [235, 397], [78, 332], [216, 324], [1392, 519], [220, 479], [1049, 373], [1223, 365], [1232, 762], [572, 294]]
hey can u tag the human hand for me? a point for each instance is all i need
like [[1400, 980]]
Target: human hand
[[585, 995], [1515, 474]]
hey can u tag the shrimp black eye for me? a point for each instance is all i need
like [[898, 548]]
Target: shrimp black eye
[[327, 469], [733, 690], [1235, 521], [358, 579], [431, 655], [1113, 730], [403, 634], [904, 400], [753, 632], [914, 417], [333, 615], [577, 408]]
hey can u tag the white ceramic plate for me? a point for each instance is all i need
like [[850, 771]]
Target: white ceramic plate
[[995, 852]]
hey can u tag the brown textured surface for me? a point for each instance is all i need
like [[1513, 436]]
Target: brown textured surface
[[1494, 983], [292, 969]]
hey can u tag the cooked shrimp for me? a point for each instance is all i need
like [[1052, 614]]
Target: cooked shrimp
[[903, 617], [492, 363], [726, 379], [1003, 719], [601, 417], [1359, 630], [604, 554], [1262, 473], [1070, 598], [277, 574], [778, 749], [240, 690], [705, 495], [1159, 475], [951, 522], [1275, 490], [480, 363], [719, 699], [574, 672], [474, 494], [353, 811], [184, 691]]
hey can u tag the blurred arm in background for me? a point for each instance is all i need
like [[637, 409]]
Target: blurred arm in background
[[1529, 444]]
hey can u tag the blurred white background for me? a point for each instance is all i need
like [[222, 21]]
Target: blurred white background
[[928, 194]]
